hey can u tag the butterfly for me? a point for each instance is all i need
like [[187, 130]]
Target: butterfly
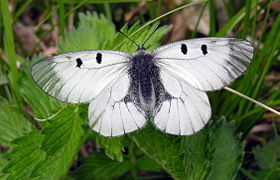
[[167, 86]]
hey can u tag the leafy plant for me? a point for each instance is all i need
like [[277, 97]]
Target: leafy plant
[[46, 154], [201, 156], [12, 124], [267, 158]]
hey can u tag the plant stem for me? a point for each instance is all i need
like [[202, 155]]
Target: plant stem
[[212, 18], [133, 162], [61, 17], [252, 100], [247, 173], [10, 50], [108, 11]]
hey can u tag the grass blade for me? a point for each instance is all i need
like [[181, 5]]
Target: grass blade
[[10, 49]]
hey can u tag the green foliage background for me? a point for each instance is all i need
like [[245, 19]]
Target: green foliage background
[[47, 149]]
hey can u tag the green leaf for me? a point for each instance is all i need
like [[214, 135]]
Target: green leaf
[[113, 146], [2, 164], [163, 148], [47, 154], [267, 158], [148, 164], [99, 166], [61, 144], [268, 155], [97, 32], [197, 154], [226, 153], [213, 153], [24, 156], [92, 33], [12, 124]]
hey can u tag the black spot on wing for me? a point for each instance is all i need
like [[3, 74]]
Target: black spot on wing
[[184, 49], [99, 58], [204, 49], [79, 62]]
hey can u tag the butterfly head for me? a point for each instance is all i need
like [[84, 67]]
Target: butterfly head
[[141, 47]]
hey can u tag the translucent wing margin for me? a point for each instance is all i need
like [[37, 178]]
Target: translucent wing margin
[[206, 63], [80, 76], [186, 112]]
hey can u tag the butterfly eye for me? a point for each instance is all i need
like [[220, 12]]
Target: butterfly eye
[[204, 49], [184, 49], [79, 62], [99, 58]]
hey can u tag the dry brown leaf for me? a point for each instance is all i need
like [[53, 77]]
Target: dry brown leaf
[[128, 16], [187, 19], [27, 36], [261, 128], [50, 51], [275, 5]]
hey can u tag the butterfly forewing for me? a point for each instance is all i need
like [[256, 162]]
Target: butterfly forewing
[[80, 76], [206, 63]]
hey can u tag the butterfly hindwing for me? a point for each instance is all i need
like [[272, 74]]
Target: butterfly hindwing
[[79, 77], [111, 114], [206, 63], [187, 109]]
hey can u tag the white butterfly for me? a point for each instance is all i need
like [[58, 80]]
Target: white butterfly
[[166, 85]]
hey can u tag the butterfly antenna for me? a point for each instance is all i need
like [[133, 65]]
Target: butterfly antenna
[[129, 38], [150, 36]]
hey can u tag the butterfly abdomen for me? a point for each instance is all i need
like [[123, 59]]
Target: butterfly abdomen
[[144, 80]]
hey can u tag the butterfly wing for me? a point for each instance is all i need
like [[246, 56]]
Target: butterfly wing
[[206, 63], [187, 109], [190, 67], [99, 77], [112, 113], [80, 76]]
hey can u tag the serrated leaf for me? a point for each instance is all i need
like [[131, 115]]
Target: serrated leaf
[[92, 33], [12, 124], [148, 164], [113, 146], [196, 155], [97, 32], [268, 155], [99, 166], [227, 151], [213, 153], [3, 162], [63, 128], [161, 147], [61, 143], [33, 157], [24, 156]]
